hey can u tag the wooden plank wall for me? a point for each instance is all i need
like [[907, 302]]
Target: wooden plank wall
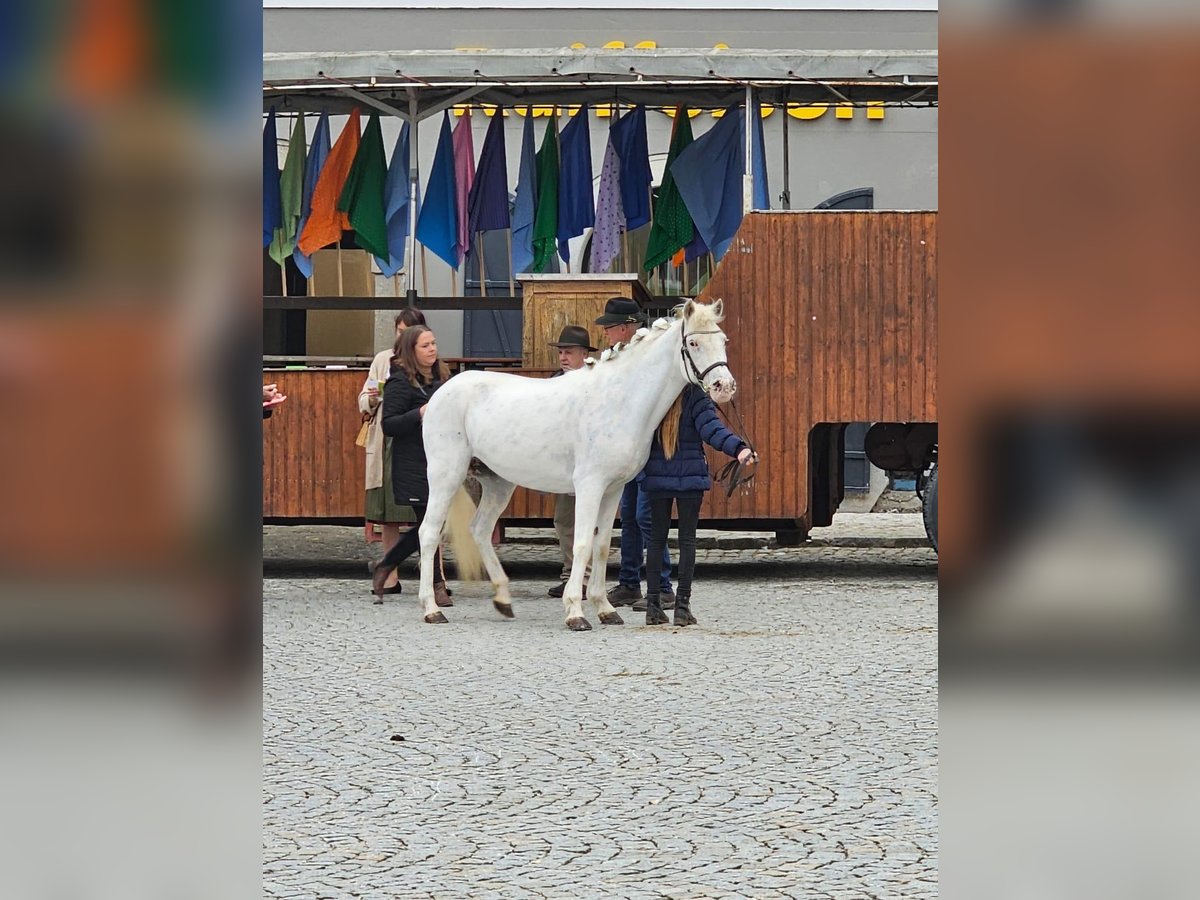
[[311, 466], [832, 317]]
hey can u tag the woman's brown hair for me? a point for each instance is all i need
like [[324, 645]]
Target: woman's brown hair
[[405, 357], [668, 429], [410, 316]]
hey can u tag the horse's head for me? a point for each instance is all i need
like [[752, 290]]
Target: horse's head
[[703, 350]]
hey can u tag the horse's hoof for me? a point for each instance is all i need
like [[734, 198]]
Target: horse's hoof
[[436, 619], [579, 624], [611, 618], [505, 609]]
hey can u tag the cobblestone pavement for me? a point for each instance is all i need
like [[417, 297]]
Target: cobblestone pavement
[[785, 747]]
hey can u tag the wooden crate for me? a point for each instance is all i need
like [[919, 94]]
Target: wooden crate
[[552, 301]]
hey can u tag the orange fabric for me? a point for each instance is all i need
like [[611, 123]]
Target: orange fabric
[[326, 223], [678, 259], [108, 54]]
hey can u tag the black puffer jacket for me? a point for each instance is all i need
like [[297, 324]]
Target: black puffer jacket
[[402, 423]]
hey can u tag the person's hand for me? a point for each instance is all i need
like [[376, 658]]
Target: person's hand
[[422, 411], [270, 392], [747, 457]]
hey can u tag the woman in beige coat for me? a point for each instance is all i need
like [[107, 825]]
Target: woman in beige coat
[[381, 507]]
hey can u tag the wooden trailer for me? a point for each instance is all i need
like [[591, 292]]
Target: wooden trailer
[[832, 318]]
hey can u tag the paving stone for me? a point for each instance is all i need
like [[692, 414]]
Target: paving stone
[[785, 747]]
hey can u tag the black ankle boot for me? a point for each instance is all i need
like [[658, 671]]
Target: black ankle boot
[[683, 609], [654, 610]]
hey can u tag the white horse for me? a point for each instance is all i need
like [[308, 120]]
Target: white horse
[[585, 433]]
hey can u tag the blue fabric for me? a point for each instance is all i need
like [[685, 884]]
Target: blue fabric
[[687, 469], [395, 206], [318, 152], [526, 202], [272, 208], [629, 140], [576, 208], [437, 223], [635, 537], [761, 196], [708, 174], [487, 205]]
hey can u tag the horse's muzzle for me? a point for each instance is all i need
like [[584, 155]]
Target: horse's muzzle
[[722, 389]]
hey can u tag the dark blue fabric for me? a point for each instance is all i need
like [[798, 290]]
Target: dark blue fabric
[[272, 210], [576, 208], [629, 140], [317, 155], [487, 204], [687, 469]]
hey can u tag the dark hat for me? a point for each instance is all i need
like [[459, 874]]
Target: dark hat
[[619, 311], [574, 336]]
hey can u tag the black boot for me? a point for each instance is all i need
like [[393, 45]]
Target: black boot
[[683, 610], [654, 610]]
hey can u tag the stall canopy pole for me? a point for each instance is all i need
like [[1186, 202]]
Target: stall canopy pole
[[410, 268], [748, 177], [786, 196]]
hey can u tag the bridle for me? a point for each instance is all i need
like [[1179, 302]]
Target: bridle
[[691, 363], [732, 472]]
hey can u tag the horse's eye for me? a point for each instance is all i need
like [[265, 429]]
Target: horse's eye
[[693, 344]]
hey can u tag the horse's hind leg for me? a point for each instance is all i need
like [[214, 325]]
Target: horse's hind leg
[[588, 500], [600, 553], [496, 494]]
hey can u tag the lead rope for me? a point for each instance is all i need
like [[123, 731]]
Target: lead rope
[[732, 471]]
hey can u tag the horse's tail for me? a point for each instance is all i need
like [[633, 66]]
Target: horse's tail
[[467, 559]]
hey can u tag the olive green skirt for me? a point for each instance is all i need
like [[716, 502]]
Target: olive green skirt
[[381, 506]]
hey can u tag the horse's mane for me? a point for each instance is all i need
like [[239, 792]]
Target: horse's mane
[[704, 318]]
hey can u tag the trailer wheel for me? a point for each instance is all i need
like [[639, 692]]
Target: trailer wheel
[[929, 508]]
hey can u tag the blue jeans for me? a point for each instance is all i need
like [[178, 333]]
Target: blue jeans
[[635, 537]]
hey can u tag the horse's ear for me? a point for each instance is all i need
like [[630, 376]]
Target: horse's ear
[[718, 310], [688, 309]]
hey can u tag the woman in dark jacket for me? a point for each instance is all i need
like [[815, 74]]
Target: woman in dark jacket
[[677, 472], [416, 374]]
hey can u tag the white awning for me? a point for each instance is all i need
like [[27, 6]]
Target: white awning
[[700, 77]]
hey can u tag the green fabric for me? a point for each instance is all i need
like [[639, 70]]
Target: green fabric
[[362, 195], [545, 219], [673, 228], [291, 194], [381, 505]]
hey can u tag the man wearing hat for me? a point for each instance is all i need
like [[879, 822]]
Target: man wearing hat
[[573, 345], [622, 318]]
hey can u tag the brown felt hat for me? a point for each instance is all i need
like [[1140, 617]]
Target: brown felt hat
[[574, 336]]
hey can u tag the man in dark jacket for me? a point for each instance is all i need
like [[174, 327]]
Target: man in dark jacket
[[622, 318], [573, 345]]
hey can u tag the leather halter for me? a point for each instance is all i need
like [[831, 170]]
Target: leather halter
[[732, 472], [691, 363]]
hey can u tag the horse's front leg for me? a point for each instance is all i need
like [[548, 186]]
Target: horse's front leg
[[588, 499], [601, 547], [430, 532]]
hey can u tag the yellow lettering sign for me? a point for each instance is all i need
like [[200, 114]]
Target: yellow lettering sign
[[807, 113]]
